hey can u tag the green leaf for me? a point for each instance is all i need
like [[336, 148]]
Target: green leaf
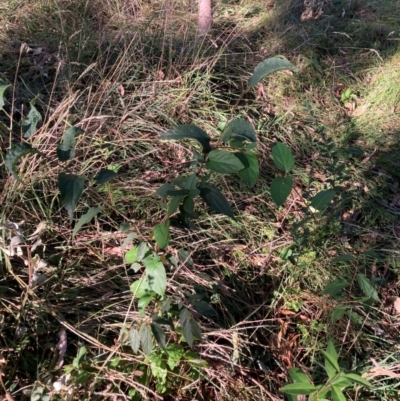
[[66, 149], [82, 351], [161, 234], [335, 287], [14, 154], [132, 255], [30, 122], [163, 190], [184, 319], [215, 199], [238, 130], [357, 379], [330, 359], [299, 388], [186, 182], [175, 353], [251, 171], [282, 157], [86, 218], [158, 334], [71, 187], [322, 199], [144, 302], [337, 394], [269, 66], [338, 312], [195, 329], [105, 175], [140, 288], [156, 276], [189, 131], [173, 205], [297, 375], [188, 206], [281, 187], [145, 339], [134, 340], [367, 288], [204, 308], [3, 88], [343, 258], [141, 251], [223, 162]]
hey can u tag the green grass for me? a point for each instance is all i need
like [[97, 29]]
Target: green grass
[[127, 73]]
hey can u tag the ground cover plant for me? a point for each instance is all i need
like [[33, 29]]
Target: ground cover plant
[[181, 220]]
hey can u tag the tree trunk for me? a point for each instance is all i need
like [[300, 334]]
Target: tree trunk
[[205, 17]]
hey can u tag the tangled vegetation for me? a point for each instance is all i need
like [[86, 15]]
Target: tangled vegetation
[[208, 217]]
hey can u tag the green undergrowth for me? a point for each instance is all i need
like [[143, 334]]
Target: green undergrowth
[[253, 298]]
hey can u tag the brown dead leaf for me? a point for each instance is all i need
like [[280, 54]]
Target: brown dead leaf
[[377, 370], [359, 111], [396, 305], [121, 90]]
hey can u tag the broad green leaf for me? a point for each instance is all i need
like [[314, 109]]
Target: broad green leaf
[[82, 351], [184, 319], [161, 234], [134, 340], [156, 276], [322, 199], [162, 320], [66, 149], [223, 162], [86, 218], [14, 154], [338, 312], [175, 353], [132, 255], [105, 175], [341, 382], [144, 302], [158, 334], [140, 288], [299, 388], [357, 379], [343, 258], [173, 205], [141, 251], [204, 308], [195, 329], [334, 288], [282, 157], [71, 187], [188, 207], [269, 66], [3, 88], [337, 394], [215, 199], [30, 122], [145, 339], [331, 360], [189, 131], [238, 130], [163, 190], [367, 288], [281, 187], [186, 182], [251, 172], [297, 375]]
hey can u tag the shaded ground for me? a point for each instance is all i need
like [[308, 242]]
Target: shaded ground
[[126, 74]]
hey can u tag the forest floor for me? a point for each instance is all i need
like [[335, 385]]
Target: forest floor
[[270, 288]]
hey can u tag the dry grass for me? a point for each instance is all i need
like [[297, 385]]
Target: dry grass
[[125, 72]]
